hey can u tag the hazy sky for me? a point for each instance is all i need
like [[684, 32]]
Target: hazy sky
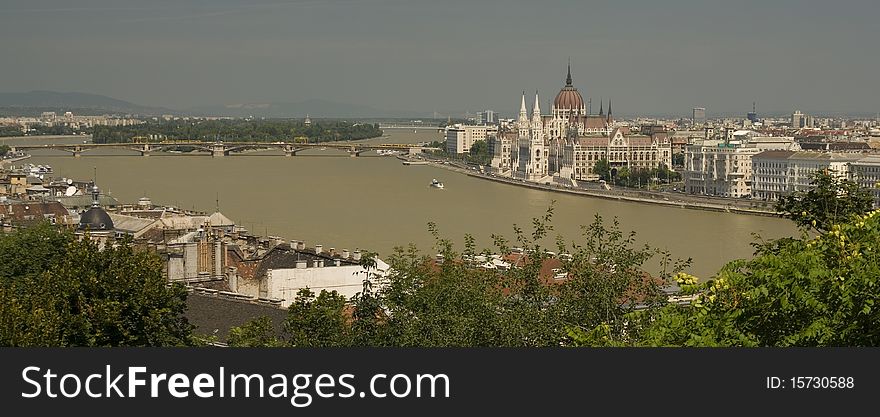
[[450, 55]]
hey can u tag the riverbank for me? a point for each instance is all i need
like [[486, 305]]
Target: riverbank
[[14, 160], [645, 197]]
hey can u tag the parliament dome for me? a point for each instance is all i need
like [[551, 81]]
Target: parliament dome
[[568, 97]]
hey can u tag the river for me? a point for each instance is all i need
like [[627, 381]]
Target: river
[[376, 203]]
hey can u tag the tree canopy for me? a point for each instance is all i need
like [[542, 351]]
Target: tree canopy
[[56, 290], [830, 200], [244, 130]]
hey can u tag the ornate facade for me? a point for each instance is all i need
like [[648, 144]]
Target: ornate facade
[[566, 144]]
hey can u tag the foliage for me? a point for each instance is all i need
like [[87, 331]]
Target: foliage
[[246, 130], [316, 321], [57, 291], [808, 292], [4, 149], [258, 332], [459, 302], [678, 159], [479, 153], [603, 169], [819, 291], [830, 200]]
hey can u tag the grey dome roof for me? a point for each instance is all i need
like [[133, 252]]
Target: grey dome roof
[[95, 219]]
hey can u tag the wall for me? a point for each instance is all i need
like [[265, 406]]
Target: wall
[[285, 283]]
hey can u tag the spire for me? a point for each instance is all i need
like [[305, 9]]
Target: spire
[[601, 111], [523, 113], [609, 109], [537, 110], [568, 78]]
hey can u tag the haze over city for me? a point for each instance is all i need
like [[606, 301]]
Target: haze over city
[[450, 56]]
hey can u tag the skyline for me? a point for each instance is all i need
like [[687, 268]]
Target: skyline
[[451, 58]]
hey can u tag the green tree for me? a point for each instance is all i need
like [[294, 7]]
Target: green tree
[[81, 295], [808, 292], [257, 333], [603, 169], [678, 159], [479, 153], [830, 200], [459, 302], [316, 321], [4, 149]]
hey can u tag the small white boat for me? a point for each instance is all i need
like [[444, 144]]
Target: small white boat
[[436, 184]]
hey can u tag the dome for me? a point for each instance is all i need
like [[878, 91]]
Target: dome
[[568, 97], [95, 219]]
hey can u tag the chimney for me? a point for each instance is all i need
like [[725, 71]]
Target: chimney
[[332, 252], [345, 254], [338, 262], [356, 255], [319, 263], [319, 248], [301, 265], [300, 245]]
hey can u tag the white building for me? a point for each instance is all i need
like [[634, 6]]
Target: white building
[[318, 275], [866, 172], [724, 167], [778, 173], [460, 138]]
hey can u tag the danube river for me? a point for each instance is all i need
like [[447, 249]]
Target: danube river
[[376, 203]]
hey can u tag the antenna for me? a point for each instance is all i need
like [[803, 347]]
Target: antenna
[[218, 202]]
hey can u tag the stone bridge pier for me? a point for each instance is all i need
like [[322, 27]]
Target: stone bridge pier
[[290, 150], [218, 150], [356, 151]]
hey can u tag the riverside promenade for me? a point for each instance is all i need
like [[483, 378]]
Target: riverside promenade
[[680, 200]]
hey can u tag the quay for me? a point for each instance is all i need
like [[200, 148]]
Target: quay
[[644, 197]]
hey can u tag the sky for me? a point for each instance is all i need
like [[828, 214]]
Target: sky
[[451, 56]]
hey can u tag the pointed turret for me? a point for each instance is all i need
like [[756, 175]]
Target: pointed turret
[[601, 111], [609, 111], [536, 113], [537, 110], [523, 113]]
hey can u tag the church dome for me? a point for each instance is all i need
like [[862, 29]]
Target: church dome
[[568, 97], [95, 219]]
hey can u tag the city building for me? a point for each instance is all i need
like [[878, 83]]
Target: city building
[[699, 116], [866, 172], [565, 144], [752, 116], [724, 167], [778, 172], [460, 137]]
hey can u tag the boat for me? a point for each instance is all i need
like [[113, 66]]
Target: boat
[[436, 184], [415, 163]]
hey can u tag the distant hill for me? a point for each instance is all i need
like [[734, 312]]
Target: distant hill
[[34, 102], [67, 101], [314, 107]]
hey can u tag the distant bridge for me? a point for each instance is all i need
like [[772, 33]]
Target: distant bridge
[[219, 149], [414, 126]]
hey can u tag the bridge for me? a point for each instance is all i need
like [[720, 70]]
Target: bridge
[[219, 149]]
